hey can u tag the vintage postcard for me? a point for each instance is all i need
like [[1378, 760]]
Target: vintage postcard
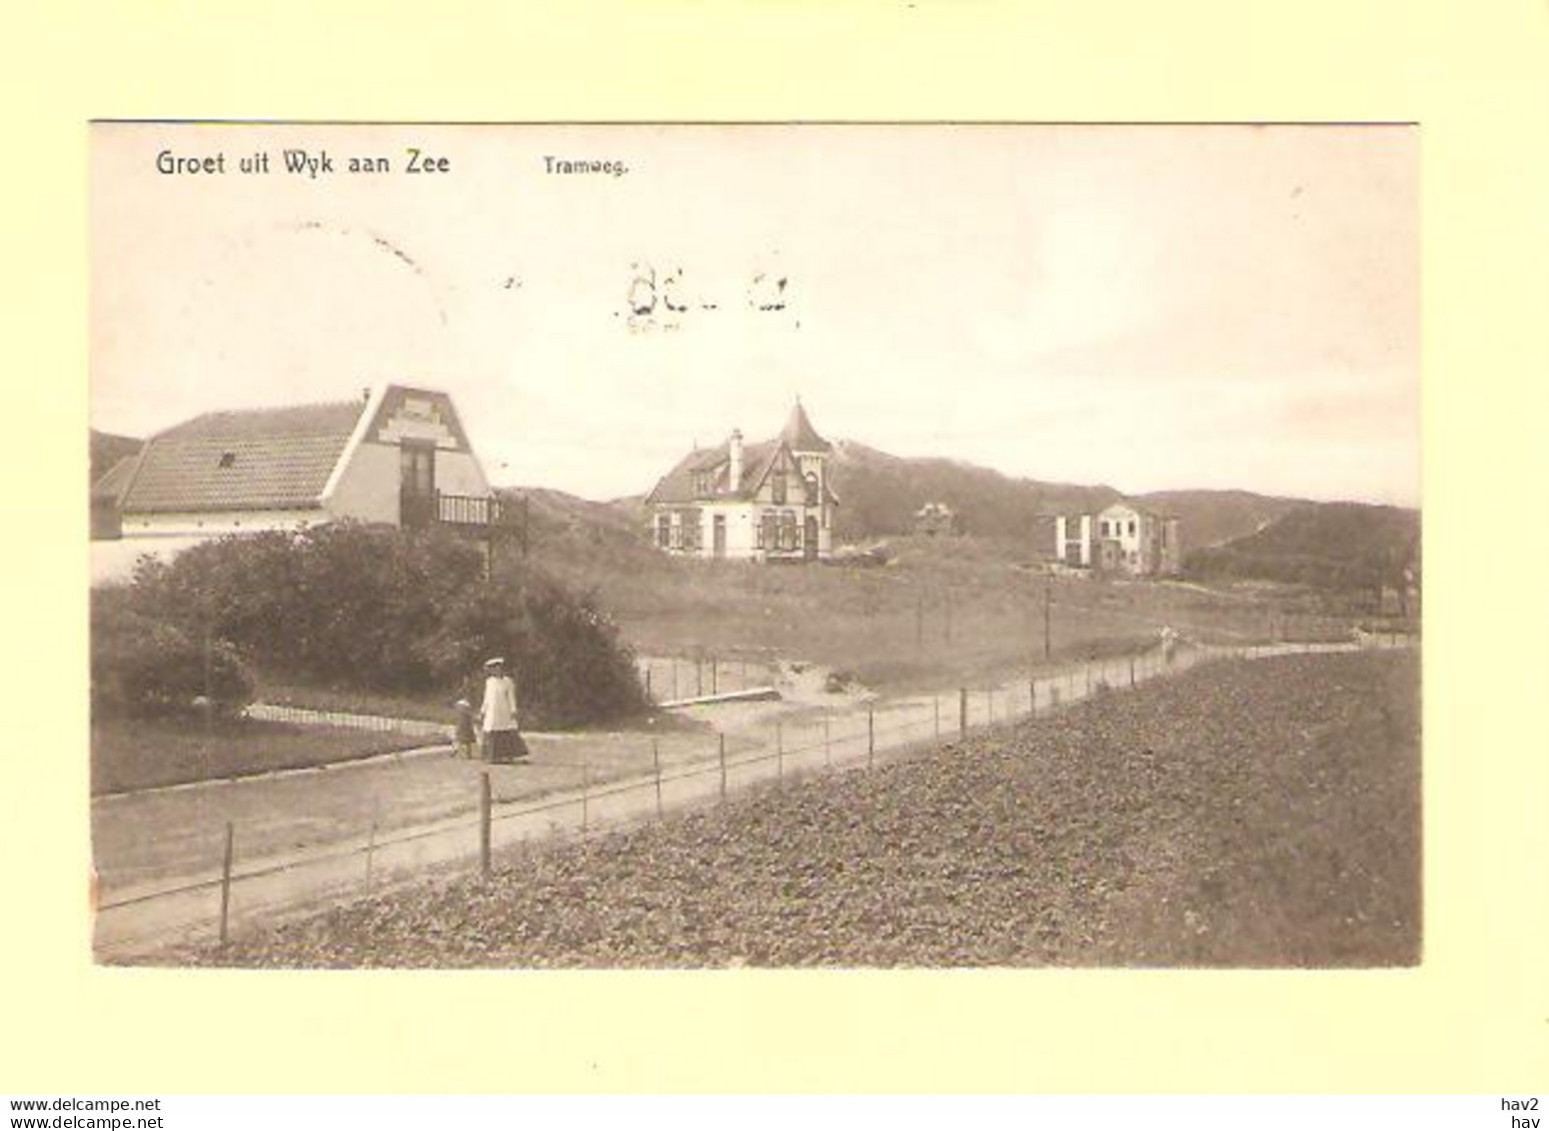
[[684, 546]]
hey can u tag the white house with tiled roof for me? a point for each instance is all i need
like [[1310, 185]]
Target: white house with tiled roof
[[399, 456], [766, 501]]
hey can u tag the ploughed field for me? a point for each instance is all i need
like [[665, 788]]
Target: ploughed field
[[1243, 814]]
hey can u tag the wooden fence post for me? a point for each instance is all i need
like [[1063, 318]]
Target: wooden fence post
[[226, 883], [715, 676], [722, 737], [779, 752], [936, 703], [827, 754], [370, 849], [1132, 671], [371, 844], [1032, 698], [962, 711], [1048, 586], [486, 808], [656, 761], [585, 774], [871, 734], [648, 682]]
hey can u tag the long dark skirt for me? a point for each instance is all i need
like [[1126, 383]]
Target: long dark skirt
[[504, 745]]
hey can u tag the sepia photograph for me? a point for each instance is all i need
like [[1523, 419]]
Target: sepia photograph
[[840, 545]]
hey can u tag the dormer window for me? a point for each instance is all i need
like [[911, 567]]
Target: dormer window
[[228, 459]]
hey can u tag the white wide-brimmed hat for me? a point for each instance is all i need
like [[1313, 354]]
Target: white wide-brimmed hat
[[493, 661]]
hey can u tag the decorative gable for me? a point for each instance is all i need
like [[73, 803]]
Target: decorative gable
[[779, 481], [415, 414]]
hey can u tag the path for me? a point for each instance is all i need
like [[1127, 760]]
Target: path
[[432, 819]]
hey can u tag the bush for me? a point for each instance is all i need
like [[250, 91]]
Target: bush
[[567, 658], [144, 666], [377, 609]]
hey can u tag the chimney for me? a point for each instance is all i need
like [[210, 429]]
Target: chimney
[[734, 449]]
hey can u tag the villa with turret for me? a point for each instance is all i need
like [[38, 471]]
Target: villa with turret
[[768, 501]]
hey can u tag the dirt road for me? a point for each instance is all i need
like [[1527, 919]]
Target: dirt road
[[310, 840]]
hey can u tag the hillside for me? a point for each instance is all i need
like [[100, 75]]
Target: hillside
[[107, 449], [1209, 518], [880, 494], [1332, 545], [580, 541], [553, 512]]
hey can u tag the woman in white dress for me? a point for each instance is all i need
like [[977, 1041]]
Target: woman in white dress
[[499, 717]]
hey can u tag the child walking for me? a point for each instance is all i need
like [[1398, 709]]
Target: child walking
[[467, 737]]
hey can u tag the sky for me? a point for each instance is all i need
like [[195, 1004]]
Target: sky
[[1156, 307]]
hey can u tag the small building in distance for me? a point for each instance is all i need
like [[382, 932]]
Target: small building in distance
[[398, 456], [768, 501], [936, 519], [1121, 539]]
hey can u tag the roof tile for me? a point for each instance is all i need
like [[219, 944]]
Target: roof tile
[[261, 459]]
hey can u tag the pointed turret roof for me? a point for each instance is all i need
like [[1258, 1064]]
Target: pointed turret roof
[[799, 435]]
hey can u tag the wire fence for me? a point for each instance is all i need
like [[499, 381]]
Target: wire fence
[[351, 720], [671, 679], [238, 893]]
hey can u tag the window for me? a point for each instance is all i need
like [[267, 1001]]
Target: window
[[1132, 526], [789, 531], [777, 488], [811, 482], [663, 531]]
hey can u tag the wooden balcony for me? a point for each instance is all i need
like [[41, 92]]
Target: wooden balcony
[[483, 513], [473, 510]]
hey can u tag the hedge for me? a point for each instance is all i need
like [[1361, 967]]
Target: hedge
[[378, 609]]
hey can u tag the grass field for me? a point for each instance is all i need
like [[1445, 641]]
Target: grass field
[[1259, 814], [941, 614], [140, 753], [941, 611]]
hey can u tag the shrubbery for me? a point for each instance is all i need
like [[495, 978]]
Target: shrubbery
[[144, 666], [375, 609]]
